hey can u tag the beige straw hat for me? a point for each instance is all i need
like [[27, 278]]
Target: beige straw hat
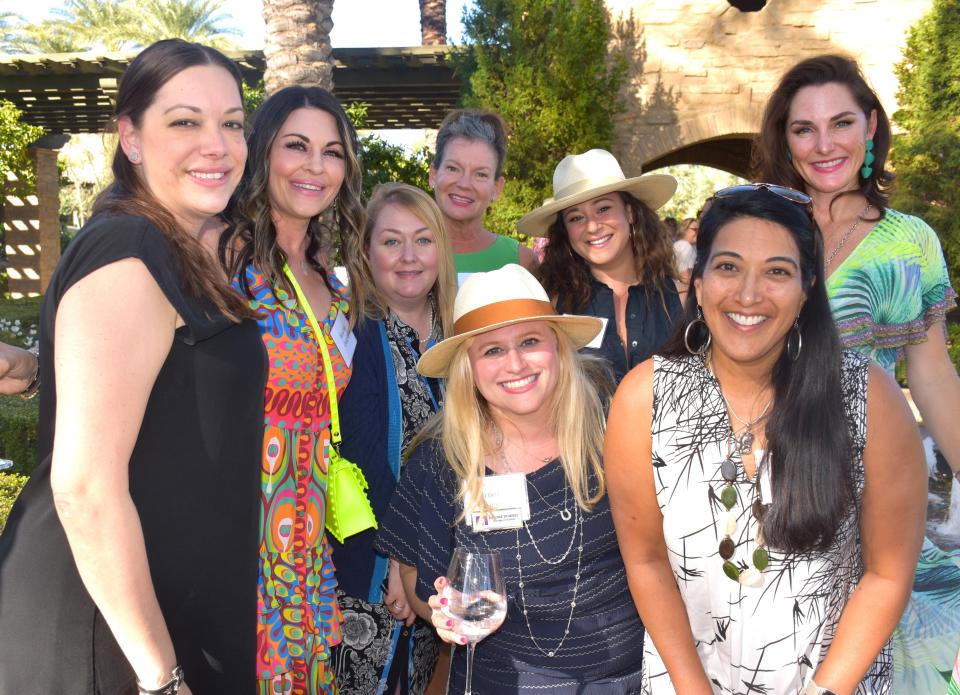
[[502, 297], [580, 177]]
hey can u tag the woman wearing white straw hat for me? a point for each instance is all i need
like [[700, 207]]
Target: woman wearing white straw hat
[[519, 400], [609, 255]]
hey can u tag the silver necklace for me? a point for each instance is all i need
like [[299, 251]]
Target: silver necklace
[[576, 584], [843, 239], [744, 443], [564, 512]]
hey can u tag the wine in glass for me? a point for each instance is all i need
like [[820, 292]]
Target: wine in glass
[[475, 597]]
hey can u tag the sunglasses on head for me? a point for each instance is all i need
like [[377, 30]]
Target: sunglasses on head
[[791, 194]]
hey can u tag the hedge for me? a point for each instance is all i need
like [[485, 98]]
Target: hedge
[[10, 486]]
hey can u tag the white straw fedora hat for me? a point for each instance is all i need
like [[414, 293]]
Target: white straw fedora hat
[[580, 177], [487, 301]]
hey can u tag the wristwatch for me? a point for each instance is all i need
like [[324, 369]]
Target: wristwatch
[[814, 689]]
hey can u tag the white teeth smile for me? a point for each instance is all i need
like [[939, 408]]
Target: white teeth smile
[[827, 165], [519, 383], [745, 320], [208, 175], [308, 187], [459, 199], [601, 241]]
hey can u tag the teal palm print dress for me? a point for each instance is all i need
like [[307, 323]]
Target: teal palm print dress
[[886, 295]]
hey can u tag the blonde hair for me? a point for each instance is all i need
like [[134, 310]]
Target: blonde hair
[[423, 207], [576, 414]]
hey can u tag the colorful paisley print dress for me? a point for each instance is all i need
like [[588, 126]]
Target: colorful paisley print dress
[[299, 620]]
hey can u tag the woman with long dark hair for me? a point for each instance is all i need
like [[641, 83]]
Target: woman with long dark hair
[[768, 488], [299, 197], [129, 560], [825, 132], [609, 255]]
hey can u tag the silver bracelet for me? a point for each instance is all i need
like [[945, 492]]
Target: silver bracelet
[[33, 386], [171, 687]]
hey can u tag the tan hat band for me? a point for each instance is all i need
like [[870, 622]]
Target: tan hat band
[[582, 185], [501, 312]]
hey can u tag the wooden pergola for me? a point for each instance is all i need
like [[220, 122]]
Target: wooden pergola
[[73, 92]]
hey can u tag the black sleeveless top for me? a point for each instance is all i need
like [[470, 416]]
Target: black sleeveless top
[[194, 477]]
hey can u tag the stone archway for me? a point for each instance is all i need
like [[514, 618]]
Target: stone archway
[[701, 70]]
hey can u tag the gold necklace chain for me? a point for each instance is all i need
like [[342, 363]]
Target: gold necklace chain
[[846, 235]]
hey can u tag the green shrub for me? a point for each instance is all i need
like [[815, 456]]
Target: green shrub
[[18, 432], [10, 486], [953, 343], [19, 322]]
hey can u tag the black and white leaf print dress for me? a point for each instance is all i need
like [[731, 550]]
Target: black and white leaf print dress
[[767, 639]]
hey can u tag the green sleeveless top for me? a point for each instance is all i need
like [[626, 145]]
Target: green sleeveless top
[[502, 251]]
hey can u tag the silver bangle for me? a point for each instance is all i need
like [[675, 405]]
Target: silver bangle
[[171, 687], [33, 386]]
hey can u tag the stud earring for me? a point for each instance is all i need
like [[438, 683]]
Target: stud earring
[[134, 156], [866, 171]]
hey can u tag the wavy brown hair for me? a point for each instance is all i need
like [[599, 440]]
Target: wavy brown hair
[[566, 276], [128, 194], [771, 154], [251, 238]]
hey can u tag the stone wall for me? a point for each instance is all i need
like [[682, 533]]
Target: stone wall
[[702, 70]]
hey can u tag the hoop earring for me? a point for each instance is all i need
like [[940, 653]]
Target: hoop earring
[[686, 335], [866, 171], [633, 231], [794, 353]]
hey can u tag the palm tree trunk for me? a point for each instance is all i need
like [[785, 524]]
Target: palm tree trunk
[[433, 22], [297, 46]]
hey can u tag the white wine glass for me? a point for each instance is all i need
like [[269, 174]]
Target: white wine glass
[[475, 597]]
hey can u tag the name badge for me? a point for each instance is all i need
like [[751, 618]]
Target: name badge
[[597, 342], [506, 500], [344, 338]]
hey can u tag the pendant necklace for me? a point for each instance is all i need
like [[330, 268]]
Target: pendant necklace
[[846, 235], [744, 442], [577, 528]]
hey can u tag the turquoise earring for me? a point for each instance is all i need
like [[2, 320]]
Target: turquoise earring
[[866, 171]]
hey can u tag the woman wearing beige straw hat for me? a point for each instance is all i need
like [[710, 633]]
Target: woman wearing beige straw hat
[[520, 400], [609, 255]]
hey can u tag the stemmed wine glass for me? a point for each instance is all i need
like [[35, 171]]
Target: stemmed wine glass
[[476, 597]]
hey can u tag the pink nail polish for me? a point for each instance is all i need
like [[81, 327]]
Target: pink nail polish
[[463, 640], [449, 623], [443, 602]]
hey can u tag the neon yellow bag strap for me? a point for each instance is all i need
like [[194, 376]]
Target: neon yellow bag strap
[[327, 362]]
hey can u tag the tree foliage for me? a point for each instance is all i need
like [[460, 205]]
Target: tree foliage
[[547, 67], [118, 25], [15, 135], [926, 155]]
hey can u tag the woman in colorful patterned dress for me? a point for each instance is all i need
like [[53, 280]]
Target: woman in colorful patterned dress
[[767, 487], [300, 193], [824, 131]]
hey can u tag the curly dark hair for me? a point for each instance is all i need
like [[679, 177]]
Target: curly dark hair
[[566, 276]]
